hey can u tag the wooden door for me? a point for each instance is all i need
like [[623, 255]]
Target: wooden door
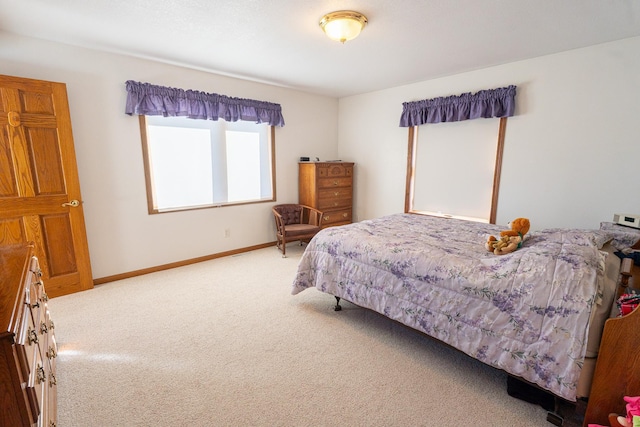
[[39, 187]]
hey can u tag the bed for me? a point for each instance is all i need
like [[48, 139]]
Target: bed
[[536, 313]]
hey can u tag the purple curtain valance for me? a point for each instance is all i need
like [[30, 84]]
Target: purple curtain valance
[[151, 100], [483, 104]]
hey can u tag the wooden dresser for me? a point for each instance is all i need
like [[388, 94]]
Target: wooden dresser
[[328, 187], [28, 395]]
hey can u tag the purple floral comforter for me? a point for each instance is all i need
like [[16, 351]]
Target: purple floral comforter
[[526, 313]]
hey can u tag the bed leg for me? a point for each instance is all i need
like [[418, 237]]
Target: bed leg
[[555, 419], [337, 307], [567, 414], [555, 416]]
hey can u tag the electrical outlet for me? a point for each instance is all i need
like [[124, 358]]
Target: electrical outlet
[[227, 232]]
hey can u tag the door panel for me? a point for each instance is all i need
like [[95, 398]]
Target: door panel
[[58, 244], [38, 179], [7, 178], [36, 102], [45, 159]]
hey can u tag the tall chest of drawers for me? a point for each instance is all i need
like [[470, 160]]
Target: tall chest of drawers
[[28, 395], [328, 187]]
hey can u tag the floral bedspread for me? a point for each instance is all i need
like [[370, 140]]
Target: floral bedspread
[[526, 312]]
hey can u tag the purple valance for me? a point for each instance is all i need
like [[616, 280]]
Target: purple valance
[[150, 100], [483, 104]]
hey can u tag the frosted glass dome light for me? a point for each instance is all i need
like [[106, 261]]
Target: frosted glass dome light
[[343, 25]]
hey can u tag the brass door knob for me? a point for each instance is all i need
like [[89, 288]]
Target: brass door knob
[[72, 203]]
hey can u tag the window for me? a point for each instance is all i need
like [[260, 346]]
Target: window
[[454, 169], [192, 164], [453, 179]]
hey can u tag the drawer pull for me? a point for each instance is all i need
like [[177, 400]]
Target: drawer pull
[[52, 380], [32, 336], [41, 376], [326, 218], [335, 203], [337, 193], [51, 353], [344, 215], [335, 182], [43, 328]]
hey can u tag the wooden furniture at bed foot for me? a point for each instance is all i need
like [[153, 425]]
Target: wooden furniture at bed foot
[[28, 394], [328, 187], [617, 369]]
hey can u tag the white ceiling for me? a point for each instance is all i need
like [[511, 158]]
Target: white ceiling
[[279, 41]]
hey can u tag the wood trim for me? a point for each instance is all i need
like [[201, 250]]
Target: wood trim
[[272, 145], [147, 166], [497, 170], [101, 280], [151, 208], [411, 167]]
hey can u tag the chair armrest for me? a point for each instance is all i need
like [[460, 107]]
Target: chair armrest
[[279, 222], [315, 215]]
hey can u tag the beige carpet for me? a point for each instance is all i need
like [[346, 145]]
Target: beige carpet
[[224, 343]]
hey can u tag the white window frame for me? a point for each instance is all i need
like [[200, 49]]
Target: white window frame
[[218, 131]]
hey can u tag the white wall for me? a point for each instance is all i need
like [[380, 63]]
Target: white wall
[[571, 151], [122, 235]]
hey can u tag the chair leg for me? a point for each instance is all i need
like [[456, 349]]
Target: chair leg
[[281, 244]]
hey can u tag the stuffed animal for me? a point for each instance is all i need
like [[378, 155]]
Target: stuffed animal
[[633, 415], [510, 240]]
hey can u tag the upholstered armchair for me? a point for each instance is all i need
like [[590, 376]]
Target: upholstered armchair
[[295, 222]]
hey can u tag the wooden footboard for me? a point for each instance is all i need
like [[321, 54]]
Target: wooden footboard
[[617, 372]]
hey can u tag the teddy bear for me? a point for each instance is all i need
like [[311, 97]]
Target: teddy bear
[[510, 240]]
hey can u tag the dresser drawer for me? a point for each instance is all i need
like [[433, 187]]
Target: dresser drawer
[[30, 345], [324, 183], [50, 401], [338, 217], [24, 352], [326, 204], [52, 409], [36, 386], [335, 193], [51, 349], [334, 170]]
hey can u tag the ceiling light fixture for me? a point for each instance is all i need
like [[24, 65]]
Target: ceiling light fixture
[[343, 25]]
